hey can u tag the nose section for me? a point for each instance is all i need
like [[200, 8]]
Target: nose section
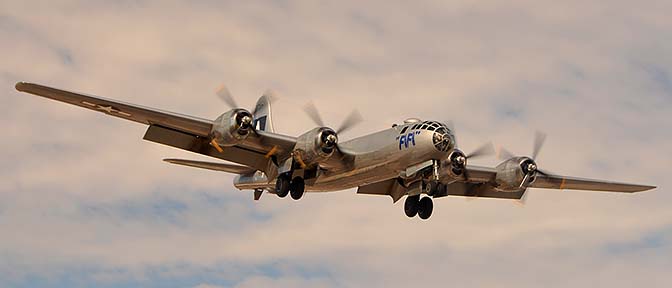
[[444, 141]]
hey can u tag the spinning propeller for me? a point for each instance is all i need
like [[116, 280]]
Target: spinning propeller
[[529, 164], [243, 117], [458, 159], [329, 137], [352, 120]]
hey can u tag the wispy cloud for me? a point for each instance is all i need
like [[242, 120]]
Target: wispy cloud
[[85, 202]]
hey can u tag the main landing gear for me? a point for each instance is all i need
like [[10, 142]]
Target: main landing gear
[[295, 187]]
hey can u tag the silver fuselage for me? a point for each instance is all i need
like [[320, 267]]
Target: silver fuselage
[[379, 156]]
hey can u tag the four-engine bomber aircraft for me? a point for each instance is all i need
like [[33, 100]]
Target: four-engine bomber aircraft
[[410, 159]]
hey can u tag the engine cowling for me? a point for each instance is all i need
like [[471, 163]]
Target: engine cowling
[[232, 127], [456, 163], [315, 146], [515, 174]]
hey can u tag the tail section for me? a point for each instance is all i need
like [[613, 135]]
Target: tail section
[[262, 113]]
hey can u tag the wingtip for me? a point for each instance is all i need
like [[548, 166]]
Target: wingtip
[[20, 86], [644, 188], [647, 188]]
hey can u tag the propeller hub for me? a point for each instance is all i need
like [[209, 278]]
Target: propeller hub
[[328, 139], [529, 167], [243, 118], [331, 139], [247, 120], [532, 167], [458, 159]]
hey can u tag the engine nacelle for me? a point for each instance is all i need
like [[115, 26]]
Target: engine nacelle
[[315, 146], [511, 174], [455, 163], [232, 127]]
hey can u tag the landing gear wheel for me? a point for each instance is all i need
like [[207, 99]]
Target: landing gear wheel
[[282, 186], [297, 187], [442, 190], [425, 208], [432, 187], [411, 205]]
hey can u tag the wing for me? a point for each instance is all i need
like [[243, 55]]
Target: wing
[[389, 187], [573, 183], [140, 114], [258, 151], [235, 169], [481, 183]]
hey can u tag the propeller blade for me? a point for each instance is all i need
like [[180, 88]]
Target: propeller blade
[[314, 115], [542, 172], [504, 154], [344, 158], [539, 139], [351, 121], [225, 95], [485, 150], [524, 182], [451, 127], [465, 174], [271, 95]]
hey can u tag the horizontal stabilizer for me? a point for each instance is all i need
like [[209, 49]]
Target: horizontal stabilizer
[[230, 168]]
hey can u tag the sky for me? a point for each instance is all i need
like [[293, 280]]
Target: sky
[[84, 201]]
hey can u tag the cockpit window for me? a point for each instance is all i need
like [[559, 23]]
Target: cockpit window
[[441, 139], [404, 130]]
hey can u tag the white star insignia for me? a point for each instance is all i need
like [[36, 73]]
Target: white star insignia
[[107, 109]]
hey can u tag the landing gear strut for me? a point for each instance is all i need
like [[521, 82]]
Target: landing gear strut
[[416, 206]]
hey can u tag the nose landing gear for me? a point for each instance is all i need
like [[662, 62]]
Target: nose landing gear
[[411, 205], [416, 206], [425, 208]]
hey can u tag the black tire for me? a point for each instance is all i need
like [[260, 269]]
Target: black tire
[[425, 208], [411, 206], [443, 190], [432, 187], [282, 186], [297, 187]]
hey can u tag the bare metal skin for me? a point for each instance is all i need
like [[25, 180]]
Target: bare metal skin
[[411, 159]]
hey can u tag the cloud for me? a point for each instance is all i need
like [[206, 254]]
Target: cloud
[[85, 202]]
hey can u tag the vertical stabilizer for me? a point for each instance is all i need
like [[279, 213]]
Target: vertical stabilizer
[[262, 114]]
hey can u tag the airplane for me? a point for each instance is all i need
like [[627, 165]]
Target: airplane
[[417, 159]]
